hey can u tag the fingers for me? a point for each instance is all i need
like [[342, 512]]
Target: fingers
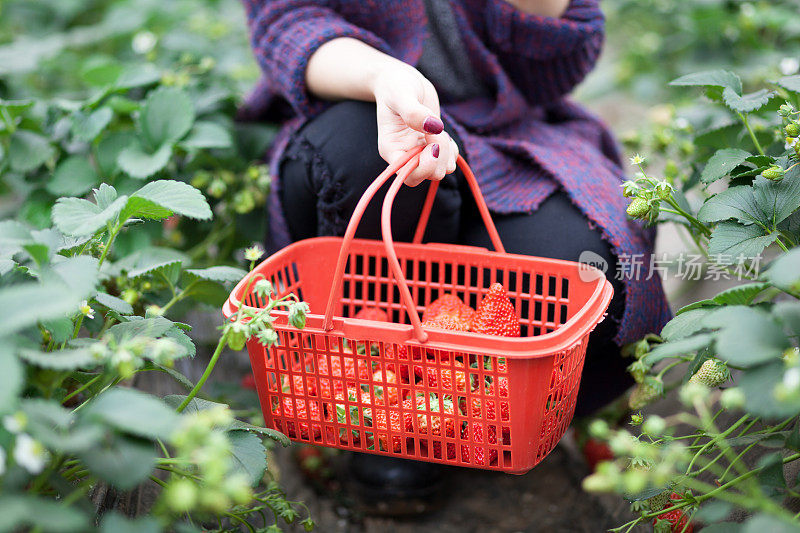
[[436, 160], [420, 117]]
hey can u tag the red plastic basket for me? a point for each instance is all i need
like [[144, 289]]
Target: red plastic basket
[[479, 401]]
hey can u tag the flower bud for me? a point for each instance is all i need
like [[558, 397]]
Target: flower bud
[[792, 129]]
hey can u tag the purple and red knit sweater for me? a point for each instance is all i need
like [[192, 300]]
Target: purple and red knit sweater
[[524, 143]]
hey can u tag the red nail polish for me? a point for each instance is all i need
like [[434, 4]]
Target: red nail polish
[[433, 125], [435, 150]]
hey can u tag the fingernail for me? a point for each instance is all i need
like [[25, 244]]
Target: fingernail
[[435, 150], [433, 125]]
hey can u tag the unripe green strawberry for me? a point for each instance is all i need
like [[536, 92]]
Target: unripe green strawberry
[[658, 501], [785, 110], [645, 393], [638, 208], [711, 374], [773, 173], [792, 130]]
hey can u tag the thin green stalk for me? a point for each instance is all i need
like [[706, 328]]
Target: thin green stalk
[[746, 122], [696, 223], [111, 237], [209, 368], [81, 388]]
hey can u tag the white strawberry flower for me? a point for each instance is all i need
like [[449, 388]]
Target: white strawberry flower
[[143, 42], [86, 310], [29, 453], [15, 423], [637, 160]]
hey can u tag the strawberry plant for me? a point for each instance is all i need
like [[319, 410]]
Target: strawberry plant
[[128, 196], [734, 357]]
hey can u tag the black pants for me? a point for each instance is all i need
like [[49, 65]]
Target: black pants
[[333, 159]]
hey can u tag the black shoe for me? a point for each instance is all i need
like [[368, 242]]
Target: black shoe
[[395, 487]]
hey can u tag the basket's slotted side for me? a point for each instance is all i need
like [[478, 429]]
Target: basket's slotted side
[[459, 408]]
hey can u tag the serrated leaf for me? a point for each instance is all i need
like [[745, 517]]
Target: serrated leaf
[[25, 512], [149, 260], [721, 163], [60, 329], [746, 336], [784, 272], [175, 196], [171, 372], [79, 273], [710, 78], [778, 199], [59, 359], [180, 337], [679, 347], [13, 235], [104, 195], [731, 240], [266, 432], [740, 295], [12, 376], [112, 302], [123, 462], [138, 76], [206, 134], [791, 83], [220, 274], [737, 202], [73, 177], [78, 217], [166, 116], [135, 327], [684, 324], [248, 455], [25, 304], [749, 102], [28, 151], [133, 412], [87, 126], [138, 163], [108, 150]]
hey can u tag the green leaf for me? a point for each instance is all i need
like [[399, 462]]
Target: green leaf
[[104, 195], [12, 375], [266, 432], [195, 405], [13, 235], [220, 274], [60, 359], [149, 261], [25, 304], [146, 327], [171, 372], [248, 455], [133, 412], [684, 324], [27, 512], [762, 523], [746, 336], [114, 522], [73, 177], [179, 336], [731, 240], [53, 426], [137, 163], [749, 102], [740, 295], [79, 273], [162, 198], [112, 302], [784, 272], [121, 461], [722, 162], [28, 150], [791, 83], [778, 199], [87, 127], [138, 76], [789, 314], [736, 202], [108, 150], [78, 217], [710, 78], [680, 347], [166, 116], [206, 134], [60, 329]]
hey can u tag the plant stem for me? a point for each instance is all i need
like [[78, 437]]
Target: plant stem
[[209, 368], [746, 123], [81, 388], [111, 236], [696, 223]]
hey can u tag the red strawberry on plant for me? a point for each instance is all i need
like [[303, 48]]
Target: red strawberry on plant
[[675, 521], [595, 452], [496, 315], [372, 313], [248, 382], [450, 306]]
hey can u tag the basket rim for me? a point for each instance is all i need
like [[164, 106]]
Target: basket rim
[[564, 337]]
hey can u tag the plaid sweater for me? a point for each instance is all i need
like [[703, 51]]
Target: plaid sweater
[[523, 143]]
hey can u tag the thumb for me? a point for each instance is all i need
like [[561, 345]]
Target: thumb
[[420, 117]]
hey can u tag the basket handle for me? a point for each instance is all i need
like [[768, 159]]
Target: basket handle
[[358, 212]]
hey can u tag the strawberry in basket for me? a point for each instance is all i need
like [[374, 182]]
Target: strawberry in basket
[[496, 315], [452, 307], [305, 410]]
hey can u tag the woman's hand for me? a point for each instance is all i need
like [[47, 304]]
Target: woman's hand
[[408, 116]]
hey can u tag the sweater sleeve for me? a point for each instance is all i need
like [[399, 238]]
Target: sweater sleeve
[[545, 57], [285, 33]]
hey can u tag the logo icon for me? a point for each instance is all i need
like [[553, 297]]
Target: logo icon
[[590, 263]]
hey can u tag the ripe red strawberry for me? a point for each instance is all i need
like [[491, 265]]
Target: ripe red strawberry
[[445, 322], [299, 387], [595, 452], [419, 403], [452, 307], [477, 432], [394, 424], [447, 383], [674, 521], [248, 382], [496, 315], [392, 394], [372, 313], [305, 410], [502, 391]]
